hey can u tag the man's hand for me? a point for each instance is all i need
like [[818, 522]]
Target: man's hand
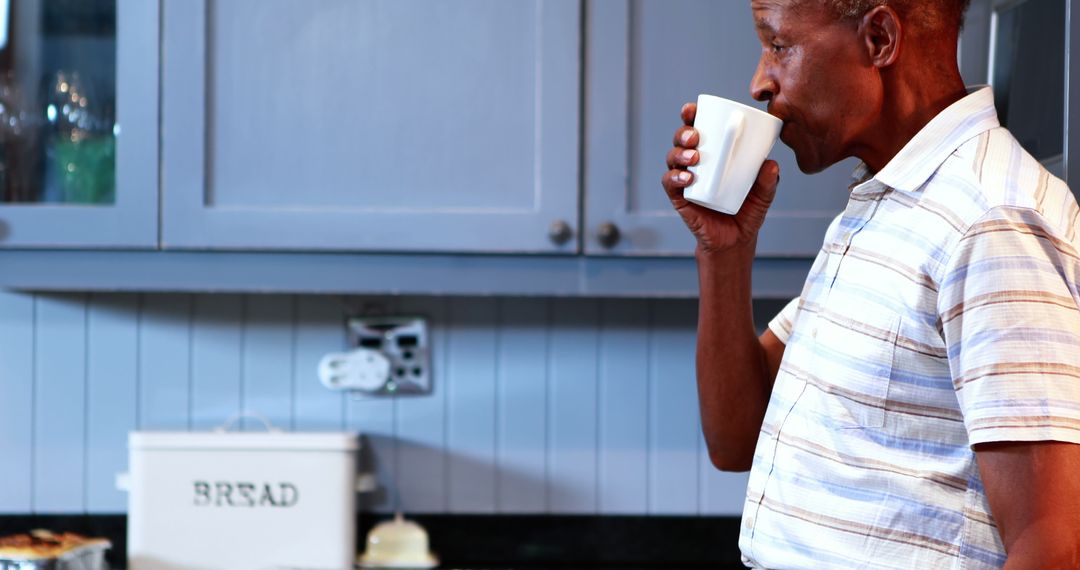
[[1034, 493], [715, 231]]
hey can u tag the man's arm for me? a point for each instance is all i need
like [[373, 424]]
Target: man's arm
[[735, 368], [1034, 493], [1011, 325]]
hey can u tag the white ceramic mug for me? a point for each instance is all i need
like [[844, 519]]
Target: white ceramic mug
[[734, 141]]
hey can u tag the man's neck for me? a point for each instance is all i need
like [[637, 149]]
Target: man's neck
[[908, 107]]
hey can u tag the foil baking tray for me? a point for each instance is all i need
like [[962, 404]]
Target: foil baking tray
[[86, 557]]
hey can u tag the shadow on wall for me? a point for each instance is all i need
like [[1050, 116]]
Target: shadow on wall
[[393, 493]]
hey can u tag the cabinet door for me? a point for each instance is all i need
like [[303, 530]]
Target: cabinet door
[[79, 124], [402, 125], [644, 59]]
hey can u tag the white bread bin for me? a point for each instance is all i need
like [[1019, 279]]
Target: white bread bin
[[216, 500]]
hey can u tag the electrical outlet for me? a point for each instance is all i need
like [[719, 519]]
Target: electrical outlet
[[404, 342]]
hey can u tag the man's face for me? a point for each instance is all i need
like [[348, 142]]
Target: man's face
[[817, 76]]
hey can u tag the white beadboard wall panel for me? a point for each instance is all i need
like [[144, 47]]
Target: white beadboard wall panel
[[421, 421], [721, 494], [521, 405], [112, 332], [674, 429], [375, 419], [471, 387], [268, 361], [624, 406], [540, 405], [319, 330], [165, 363], [573, 402], [217, 335], [60, 404], [17, 393]]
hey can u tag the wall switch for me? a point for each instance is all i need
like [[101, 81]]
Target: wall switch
[[404, 342]]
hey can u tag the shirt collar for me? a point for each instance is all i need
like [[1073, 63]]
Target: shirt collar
[[924, 153]]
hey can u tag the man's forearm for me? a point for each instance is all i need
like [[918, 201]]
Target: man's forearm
[[733, 378], [1049, 544]]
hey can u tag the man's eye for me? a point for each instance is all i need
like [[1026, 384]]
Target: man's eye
[[778, 48]]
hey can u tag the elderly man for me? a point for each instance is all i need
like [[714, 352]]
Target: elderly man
[[918, 406]]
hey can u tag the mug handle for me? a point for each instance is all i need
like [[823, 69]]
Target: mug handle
[[732, 133]]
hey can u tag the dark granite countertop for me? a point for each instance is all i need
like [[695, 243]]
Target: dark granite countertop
[[490, 542]]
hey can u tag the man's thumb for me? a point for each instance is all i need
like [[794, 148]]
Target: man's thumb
[[764, 188]]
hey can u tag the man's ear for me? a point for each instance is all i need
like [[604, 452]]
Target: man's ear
[[882, 34]]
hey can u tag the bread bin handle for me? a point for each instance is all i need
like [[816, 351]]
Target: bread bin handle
[[231, 422]]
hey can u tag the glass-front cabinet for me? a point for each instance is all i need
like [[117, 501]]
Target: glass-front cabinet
[[78, 123]]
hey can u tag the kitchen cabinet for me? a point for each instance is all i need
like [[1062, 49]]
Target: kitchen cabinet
[[418, 147], [412, 126], [382, 125], [78, 124], [644, 59]]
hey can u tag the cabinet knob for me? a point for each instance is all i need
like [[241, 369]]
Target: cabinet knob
[[608, 235], [560, 232]]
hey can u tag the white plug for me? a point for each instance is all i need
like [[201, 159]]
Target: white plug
[[359, 369]]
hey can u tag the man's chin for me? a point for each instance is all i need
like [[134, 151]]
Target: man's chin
[[807, 163], [810, 167]]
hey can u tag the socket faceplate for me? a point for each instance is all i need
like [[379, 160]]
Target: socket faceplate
[[404, 341]]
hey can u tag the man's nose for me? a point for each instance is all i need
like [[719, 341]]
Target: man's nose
[[762, 86]]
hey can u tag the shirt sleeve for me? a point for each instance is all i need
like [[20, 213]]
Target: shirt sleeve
[[783, 323], [1008, 305]]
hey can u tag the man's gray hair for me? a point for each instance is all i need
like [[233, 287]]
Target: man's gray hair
[[934, 13], [848, 9]]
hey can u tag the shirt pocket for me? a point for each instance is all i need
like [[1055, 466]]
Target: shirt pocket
[[853, 367]]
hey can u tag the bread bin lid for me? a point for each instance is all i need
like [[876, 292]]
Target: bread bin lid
[[243, 441]]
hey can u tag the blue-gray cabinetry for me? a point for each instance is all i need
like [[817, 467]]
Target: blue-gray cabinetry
[[376, 125], [79, 91], [454, 126], [644, 59], [372, 145]]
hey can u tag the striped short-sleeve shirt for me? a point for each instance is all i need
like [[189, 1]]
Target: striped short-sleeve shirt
[[941, 312]]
